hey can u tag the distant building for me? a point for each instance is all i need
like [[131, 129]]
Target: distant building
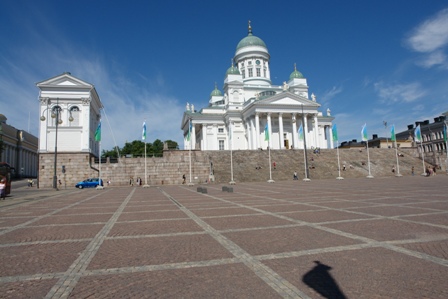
[[433, 145], [77, 105], [252, 113], [19, 149]]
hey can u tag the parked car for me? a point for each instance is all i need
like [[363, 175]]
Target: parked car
[[89, 183]]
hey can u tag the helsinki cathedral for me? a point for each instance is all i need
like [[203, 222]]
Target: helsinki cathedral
[[251, 113]]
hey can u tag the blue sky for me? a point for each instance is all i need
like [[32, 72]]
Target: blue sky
[[368, 61]]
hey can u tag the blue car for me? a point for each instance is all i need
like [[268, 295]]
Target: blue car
[[89, 183]]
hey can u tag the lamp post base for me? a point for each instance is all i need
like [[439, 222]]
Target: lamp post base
[[369, 176], [146, 186], [339, 178], [271, 181], [306, 180]]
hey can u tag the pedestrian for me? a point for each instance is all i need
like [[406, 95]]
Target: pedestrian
[[434, 170], [3, 188], [295, 176], [393, 169], [412, 170], [184, 178], [343, 167], [275, 165]]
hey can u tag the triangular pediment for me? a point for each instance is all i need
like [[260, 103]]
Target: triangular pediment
[[287, 98], [65, 79]]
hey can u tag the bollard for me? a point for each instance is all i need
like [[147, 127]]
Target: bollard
[[230, 189], [224, 188]]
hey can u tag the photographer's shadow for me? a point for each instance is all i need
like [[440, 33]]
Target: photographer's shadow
[[320, 279]]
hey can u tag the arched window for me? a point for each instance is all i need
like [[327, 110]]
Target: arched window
[[56, 115], [74, 111]]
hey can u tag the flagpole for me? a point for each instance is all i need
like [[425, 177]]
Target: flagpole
[[189, 133], [446, 147], [268, 138], [396, 152], [232, 182], [99, 186], [144, 139], [423, 158], [339, 163], [334, 136], [306, 179], [98, 137], [366, 139]]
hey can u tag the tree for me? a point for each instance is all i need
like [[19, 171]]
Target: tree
[[136, 148]]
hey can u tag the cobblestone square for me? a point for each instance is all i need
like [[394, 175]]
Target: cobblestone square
[[353, 238]]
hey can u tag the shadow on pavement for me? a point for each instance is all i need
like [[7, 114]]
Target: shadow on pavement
[[320, 279]]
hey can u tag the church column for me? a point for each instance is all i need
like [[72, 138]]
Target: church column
[[248, 134], [269, 129], [257, 129], [316, 130], [204, 138], [280, 128], [294, 131], [305, 129], [193, 137], [215, 137], [330, 135], [254, 133]]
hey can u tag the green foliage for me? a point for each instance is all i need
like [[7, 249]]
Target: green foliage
[[136, 148]]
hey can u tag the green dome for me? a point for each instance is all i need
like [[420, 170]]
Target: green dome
[[233, 70], [216, 92], [295, 74], [250, 40]]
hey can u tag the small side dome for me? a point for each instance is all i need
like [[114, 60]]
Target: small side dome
[[232, 70], [216, 92], [295, 74]]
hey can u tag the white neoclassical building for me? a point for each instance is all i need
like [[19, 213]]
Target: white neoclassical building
[[250, 104], [75, 105]]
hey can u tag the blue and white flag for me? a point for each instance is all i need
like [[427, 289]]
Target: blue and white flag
[[144, 131], [418, 134], [364, 135], [300, 132]]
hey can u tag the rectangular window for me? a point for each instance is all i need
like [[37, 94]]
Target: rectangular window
[[251, 74], [258, 72], [220, 130], [221, 145], [243, 73]]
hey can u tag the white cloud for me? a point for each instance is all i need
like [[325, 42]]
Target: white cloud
[[127, 102], [399, 93], [431, 34], [437, 58]]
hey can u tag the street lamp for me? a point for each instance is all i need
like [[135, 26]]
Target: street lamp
[[304, 148], [55, 114], [385, 127]]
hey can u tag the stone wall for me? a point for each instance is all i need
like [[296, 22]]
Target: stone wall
[[164, 170]]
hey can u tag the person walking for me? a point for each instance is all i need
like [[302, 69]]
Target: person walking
[[3, 188]]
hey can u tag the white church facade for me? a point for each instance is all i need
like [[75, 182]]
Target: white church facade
[[251, 113], [69, 116]]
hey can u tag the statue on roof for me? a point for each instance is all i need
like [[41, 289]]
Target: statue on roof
[[328, 112], [313, 97], [187, 108], [285, 86]]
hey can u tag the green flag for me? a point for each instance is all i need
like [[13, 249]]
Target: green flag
[[98, 132], [392, 133], [334, 131], [266, 133]]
